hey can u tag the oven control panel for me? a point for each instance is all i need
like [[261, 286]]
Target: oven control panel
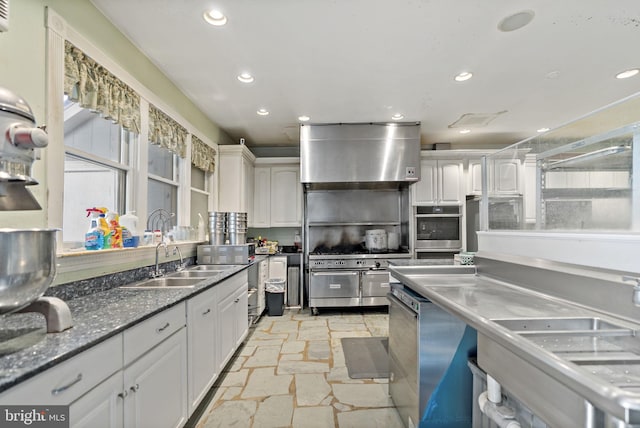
[[348, 263]]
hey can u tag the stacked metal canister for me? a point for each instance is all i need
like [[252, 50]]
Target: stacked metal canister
[[227, 228]]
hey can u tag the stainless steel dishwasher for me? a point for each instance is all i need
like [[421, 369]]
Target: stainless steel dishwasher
[[429, 380]]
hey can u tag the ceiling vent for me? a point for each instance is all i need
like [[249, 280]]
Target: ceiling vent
[[4, 15], [475, 120]]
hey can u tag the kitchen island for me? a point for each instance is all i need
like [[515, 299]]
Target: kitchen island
[[569, 360]]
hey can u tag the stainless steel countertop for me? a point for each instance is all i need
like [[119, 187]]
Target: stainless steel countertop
[[480, 301]]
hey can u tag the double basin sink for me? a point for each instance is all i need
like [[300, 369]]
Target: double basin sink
[[183, 279], [606, 349]]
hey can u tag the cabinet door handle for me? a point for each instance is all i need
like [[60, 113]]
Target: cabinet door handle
[[134, 388], [63, 388], [161, 329], [123, 394], [237, 300], [206, 312]]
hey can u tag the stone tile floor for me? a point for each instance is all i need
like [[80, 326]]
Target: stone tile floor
[[291, 373]]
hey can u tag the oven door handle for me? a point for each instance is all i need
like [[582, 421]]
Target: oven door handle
[[438, 215], [334, 273]]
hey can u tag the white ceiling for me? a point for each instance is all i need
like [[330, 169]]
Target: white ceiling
[[365, 60]]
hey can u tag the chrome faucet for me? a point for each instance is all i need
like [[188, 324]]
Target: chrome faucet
[[157, 272], [636, 288], [181, 265]]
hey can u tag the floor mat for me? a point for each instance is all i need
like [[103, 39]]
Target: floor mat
[[366, 357]]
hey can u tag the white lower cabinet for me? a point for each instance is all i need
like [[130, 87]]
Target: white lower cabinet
[[153, 374], [233, 317], [156, 386], [202, 345], [241, 316], [103, 406]]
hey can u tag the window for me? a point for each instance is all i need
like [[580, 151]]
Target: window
[[199, 195], [163, 184], [96, 169]]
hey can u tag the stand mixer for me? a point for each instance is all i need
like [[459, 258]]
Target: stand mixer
[[28, 262]]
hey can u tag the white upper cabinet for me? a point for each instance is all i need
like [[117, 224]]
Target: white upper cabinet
[[286, 196], [277, 193], [235, 193], [261, 197], [474, 186], [506, 176], [440, 182]]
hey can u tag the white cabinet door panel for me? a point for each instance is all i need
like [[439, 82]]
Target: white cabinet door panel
[[157, 386], [475, 178], [262, 197], [100, 407], [506, 176], [285, 197], [450, 182], [425, 190], [201, 335]]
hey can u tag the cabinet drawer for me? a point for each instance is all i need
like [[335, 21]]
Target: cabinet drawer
[[375, 283], [64, 383], [146, 335], [333, 284], [232, 284]]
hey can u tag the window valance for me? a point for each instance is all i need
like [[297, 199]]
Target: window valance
[[202, 155], [93, 87], [166, 132]]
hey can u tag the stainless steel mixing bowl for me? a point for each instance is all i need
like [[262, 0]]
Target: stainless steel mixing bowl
[[27, 266]]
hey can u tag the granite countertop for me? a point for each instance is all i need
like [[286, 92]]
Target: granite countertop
[[26, 349]]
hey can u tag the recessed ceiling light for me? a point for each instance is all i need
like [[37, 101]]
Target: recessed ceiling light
[[516, 21], [465, 75], [627, 73], [397, 116], [263, 112], [542, 130], [465, 131], [552, 74], [303, 118], [215, 17], [245, 78]]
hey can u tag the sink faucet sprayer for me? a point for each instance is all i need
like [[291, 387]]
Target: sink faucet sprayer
[[181, 265], [156, 271], [636, 288]]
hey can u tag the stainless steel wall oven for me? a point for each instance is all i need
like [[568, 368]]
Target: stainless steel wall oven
[[438, 228]]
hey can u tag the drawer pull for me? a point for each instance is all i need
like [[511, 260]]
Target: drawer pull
[[63, 388], [134, 388], [122, 395], [161, 329], [206, 312], [237, 300]]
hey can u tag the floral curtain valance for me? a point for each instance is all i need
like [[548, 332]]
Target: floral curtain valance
[[202, 155], [166, 132], [93, 87]]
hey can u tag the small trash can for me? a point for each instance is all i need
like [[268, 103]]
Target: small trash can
[[275, 296]]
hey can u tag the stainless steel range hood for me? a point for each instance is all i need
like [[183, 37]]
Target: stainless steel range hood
[[368, 154]]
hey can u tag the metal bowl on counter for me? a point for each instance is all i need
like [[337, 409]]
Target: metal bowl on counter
[[27, 266]]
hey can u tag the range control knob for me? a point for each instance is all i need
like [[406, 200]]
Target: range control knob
[[377, 264]]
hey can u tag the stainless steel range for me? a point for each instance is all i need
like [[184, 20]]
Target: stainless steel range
[[356, 208], [349, 280]]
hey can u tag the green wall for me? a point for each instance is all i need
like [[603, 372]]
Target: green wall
[[23, 70]]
